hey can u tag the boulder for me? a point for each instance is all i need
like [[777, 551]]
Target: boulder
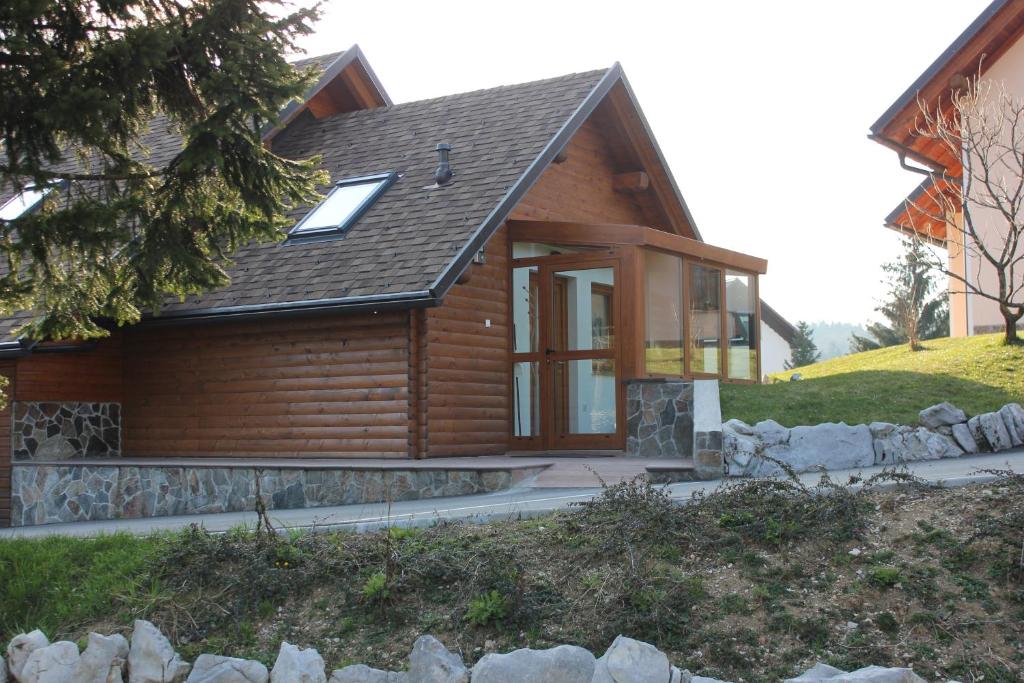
[[431, 662], [740, 451], [103, 660], [3, 670], [19, 649], [152, 659], [295, 665], [963, 437], [995, 432], [360, 673], [771, 433], [677, 676], [910, 444], [217, 669], [54, 663], [738, 426], [818, 672], [562, 664], [942, 415], [1013, 420], [832, 446], [974, 425], [631, 661]]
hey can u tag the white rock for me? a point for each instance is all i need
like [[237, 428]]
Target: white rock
[[995, 431], [631, 661], [431, 662], [1013, 420], [51, 664], [910, 444], [881, 429], [152, 659], [833, 446], [818, 672], [705, 679], [360, 673], [738, 426], [217, 669], [941, 415], [562, 664], [103, 660], [739, 451], [974, 424], [963, 437], [295, 665], [771, 433], [19, 649], [677, 676], [3, 670]]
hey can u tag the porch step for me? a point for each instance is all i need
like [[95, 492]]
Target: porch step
[[588, 473]]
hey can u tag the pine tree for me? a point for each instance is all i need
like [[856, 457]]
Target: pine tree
[[121, 230], [804, 351], [913, 309]]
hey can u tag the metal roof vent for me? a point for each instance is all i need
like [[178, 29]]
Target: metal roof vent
[[443, 173]]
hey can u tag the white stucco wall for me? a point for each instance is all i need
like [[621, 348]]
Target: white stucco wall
[[775, 352], [982, 315]]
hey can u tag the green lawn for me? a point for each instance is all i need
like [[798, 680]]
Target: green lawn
[[977, 374]]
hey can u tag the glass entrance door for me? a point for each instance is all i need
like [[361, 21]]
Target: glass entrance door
[[580, 360], [565, 369]]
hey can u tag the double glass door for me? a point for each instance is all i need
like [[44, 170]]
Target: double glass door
[[565, 386]]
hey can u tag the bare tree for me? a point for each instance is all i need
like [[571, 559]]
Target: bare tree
[[983, 208]]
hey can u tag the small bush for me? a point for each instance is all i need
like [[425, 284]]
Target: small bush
[[884, 577], [376, 589], [488, 608]]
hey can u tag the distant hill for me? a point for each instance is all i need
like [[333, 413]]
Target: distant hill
[[833, 339]]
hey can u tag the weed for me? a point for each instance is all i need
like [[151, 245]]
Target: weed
[[884, 577], [375, 589], [487, 608]]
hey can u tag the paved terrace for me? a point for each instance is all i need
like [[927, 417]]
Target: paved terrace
[[542, 494]]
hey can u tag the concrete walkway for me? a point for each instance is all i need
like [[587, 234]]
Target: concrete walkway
[[521, 502]]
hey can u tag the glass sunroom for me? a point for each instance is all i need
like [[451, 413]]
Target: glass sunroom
[[597, 307]]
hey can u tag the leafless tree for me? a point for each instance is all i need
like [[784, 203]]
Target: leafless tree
[[984, 127]]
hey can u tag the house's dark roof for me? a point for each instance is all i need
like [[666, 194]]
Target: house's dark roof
[[775, 321], [406, 243]]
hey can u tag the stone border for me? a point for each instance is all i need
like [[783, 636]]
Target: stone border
[[70, 492]]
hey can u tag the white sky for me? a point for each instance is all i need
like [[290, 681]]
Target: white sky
[[761, 108]]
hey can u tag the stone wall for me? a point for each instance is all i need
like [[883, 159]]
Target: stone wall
[[54, 493], [43, 430], [659, 418]]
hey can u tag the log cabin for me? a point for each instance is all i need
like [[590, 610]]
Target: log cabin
[[510, 270]]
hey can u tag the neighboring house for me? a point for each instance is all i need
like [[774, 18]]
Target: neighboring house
[[556, 277], [991, 45], [777, 336]]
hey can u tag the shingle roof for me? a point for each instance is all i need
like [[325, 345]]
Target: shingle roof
[[414, 231]]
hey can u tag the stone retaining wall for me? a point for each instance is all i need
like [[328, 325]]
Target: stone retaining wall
[[659, 418], [48, 430], [50, 493]]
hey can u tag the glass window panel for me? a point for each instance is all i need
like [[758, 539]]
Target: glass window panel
[[339, 205], [534, 249], [582, 317], [663, 301], [526, 386], [584, 397], [741, 325], [525, 330], [16, 206], [705, 319]]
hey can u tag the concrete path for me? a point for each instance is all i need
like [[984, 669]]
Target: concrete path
[[521, 502]]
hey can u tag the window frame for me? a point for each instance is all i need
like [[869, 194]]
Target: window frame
[[32, 208], [383, 180]]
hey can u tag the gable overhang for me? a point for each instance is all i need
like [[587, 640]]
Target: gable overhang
[[919, 214], [998, 27], [613, 80], [353, 71]]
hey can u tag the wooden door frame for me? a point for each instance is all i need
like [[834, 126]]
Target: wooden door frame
[[547, 266]]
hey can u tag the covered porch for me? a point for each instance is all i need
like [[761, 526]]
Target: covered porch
[[612, 325]]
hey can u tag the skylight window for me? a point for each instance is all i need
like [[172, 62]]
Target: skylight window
[[343, 206], [23, 202]]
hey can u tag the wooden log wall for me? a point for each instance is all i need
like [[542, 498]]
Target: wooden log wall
[[326, 386], [87, 375]]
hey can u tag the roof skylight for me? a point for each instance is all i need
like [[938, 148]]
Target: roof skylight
[[343, 206], [23, 202]]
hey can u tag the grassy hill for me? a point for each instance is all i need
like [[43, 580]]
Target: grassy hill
[[977, 374]]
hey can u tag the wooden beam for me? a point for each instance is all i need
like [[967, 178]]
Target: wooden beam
[[628, 183]]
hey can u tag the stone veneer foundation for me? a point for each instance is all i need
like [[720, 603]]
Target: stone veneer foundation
[[46, 430], [668, 418], [50, 493]]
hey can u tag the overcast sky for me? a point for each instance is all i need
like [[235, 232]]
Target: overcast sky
[[761, 108]]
